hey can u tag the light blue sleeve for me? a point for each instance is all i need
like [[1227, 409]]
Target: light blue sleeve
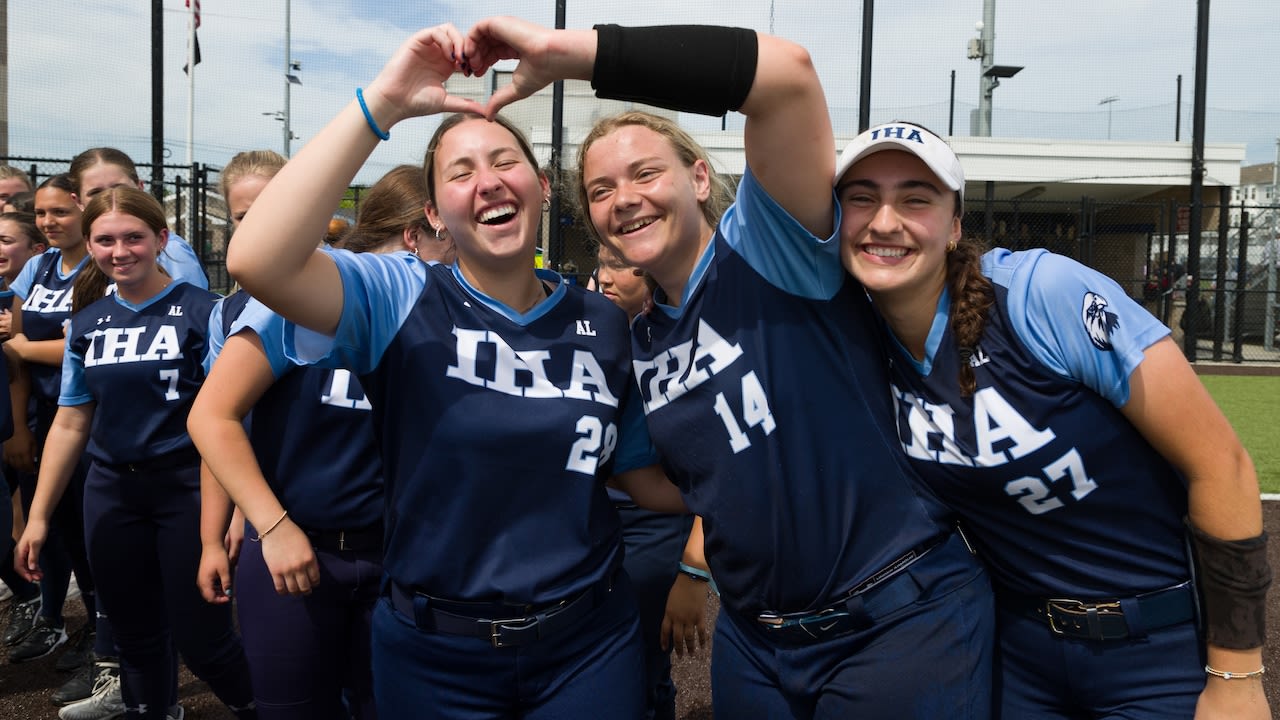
[[778, 247], [1074, 319], [22, 284], [215, 338], [180, 261], [379, 291], [74, 390], [270, 329], [635, 448]]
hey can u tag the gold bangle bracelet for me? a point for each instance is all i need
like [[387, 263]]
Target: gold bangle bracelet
[[274, 525]]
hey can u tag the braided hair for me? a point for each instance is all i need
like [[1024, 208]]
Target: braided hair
[[972, 295]]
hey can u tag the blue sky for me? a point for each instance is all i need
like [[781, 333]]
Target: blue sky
[[79, 73]]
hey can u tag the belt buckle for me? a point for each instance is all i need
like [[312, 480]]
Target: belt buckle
[[497, 626], [1077, 607]]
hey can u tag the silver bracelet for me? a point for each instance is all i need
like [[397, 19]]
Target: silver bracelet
[[1226, 675]]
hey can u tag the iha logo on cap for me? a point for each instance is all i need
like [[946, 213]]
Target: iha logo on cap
[[899, 132]]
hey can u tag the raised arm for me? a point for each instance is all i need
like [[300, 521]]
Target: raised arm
[[710, 70], [1171, 408], [274, 254]]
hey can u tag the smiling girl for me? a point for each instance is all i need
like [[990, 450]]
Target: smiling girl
[[134, 362]]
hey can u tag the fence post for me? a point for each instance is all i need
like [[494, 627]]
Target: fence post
[[1242, 286], [1220, 273]]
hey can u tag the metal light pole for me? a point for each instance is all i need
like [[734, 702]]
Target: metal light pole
[[983, 48], [1109, 101]]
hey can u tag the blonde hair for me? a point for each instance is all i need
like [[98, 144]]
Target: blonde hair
[[250, 163], [686, 148]]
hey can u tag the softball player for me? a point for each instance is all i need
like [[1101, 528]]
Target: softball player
[[844, 592], [41, 308], [1058, 417], [99, 169], [498, 395], [20, 240], [305, 594], [132, 367]]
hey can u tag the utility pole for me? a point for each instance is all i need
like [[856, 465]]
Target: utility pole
[[4, 78]]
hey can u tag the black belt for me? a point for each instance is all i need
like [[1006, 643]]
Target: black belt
[[854, 609], [523, 626], [183, 458], [1113, 619], [366, 539]]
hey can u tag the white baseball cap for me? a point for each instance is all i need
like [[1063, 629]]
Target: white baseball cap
[[933, 150]]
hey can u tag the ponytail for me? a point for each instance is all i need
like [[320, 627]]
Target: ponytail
[[972, 295]]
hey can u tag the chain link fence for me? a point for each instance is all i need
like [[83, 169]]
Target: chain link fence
[[1228, 309]]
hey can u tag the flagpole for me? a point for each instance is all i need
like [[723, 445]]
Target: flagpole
[[191, 88]]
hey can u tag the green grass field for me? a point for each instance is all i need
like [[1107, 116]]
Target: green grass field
[[1252, 404]]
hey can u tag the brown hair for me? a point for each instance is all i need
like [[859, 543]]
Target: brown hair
[[972, 295], [687, 150], [104, 156], [250, 163], [392, 205], [26, 223], [429, 160], [91, 284]]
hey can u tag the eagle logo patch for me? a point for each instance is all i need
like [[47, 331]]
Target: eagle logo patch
[[1098, 322]]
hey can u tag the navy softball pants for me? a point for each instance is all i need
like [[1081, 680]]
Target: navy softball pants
[[310, 655], [143, 534]]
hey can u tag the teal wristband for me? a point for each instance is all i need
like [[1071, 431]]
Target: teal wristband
[[368, 117], [699, 575], [695, 573]]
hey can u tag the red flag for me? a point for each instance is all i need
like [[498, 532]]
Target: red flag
[[194, 38]]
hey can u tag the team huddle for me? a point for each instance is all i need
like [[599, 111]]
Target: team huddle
[[926, 479]]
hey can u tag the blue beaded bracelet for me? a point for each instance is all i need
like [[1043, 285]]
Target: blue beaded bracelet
[[368, 117]]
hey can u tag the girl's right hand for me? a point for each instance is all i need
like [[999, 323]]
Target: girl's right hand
[[411, 84], [26, 556], [291, 560]]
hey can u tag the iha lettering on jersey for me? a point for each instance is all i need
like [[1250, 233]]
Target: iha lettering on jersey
[[684, 367], [523, 373], [1001, 435], [340, 390], [133, 344], [46, 300]]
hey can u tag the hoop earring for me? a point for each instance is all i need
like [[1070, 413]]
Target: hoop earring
[[437, 229], [951, 246], [546, 203]]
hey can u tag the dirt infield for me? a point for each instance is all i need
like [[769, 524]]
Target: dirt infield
[[24, 689]]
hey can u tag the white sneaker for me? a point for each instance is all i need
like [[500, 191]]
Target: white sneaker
[[105, 702]]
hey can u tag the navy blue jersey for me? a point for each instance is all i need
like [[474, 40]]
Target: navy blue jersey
[[763, 395], [1064, 496], [312, 432], [142, 365], [46, 307], [497, 428]]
